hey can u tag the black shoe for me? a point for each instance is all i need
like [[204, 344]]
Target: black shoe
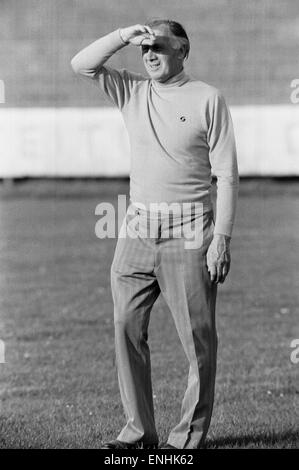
[[119, 445], [148, 446]]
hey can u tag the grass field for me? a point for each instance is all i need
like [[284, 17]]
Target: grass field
[[58, 387]]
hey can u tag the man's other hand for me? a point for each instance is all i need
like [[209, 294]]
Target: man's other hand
[[218, 258], [138, 35]]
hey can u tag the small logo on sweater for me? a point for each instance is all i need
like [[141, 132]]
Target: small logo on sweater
[[182, 118]]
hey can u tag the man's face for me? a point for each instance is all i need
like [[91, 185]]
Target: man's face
[[163, 59]]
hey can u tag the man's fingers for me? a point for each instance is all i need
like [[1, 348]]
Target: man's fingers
[[221, 276], [150, 31], [146, 41], [141, 28], [218, 261], [223, 272], [219, 273], [213, 272], [147, 31]]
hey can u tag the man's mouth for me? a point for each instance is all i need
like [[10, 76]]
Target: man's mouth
[[153, 65]]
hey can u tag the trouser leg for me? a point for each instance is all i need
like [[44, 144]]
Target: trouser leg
[[185, 284], [134, 290]]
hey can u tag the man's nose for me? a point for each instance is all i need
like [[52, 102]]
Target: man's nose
[[151, 55]]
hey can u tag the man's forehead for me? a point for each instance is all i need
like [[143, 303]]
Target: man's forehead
[[164, 36], [162, 30]]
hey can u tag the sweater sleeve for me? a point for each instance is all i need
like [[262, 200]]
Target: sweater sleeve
[[223, 159], [118, 85]]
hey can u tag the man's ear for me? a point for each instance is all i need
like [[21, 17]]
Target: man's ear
[[182, 53]]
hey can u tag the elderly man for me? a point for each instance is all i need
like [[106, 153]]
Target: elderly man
[[180, 131]]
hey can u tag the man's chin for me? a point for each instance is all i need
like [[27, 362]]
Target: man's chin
[[156, 74]]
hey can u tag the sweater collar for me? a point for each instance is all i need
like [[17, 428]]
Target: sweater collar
[[176, 80]]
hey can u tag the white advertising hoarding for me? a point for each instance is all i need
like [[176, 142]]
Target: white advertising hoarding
[[78, 142]]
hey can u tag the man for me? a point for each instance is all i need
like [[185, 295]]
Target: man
[[180, 130]]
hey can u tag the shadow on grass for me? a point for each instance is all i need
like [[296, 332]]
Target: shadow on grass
[[271, 439]]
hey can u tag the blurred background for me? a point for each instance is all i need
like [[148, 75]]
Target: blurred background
[[64, 149], [54, 124]]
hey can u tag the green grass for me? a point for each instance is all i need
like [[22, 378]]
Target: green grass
[[58, 387]]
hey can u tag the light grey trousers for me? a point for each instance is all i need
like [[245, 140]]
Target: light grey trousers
[[143, 267]]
